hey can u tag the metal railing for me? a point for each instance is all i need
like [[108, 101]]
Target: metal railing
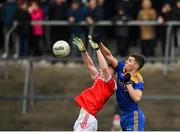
[[168, 44], [29, 71], [71, 97]]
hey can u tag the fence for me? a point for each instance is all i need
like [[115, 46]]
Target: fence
[[169, 42], [29, 77]]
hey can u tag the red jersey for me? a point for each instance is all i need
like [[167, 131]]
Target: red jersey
[[92, 99]]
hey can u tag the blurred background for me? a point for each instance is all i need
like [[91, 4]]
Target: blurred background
[[37, 89]]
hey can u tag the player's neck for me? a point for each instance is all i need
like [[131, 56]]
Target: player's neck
[[133, 72]]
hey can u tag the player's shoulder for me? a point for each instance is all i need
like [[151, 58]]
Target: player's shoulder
[[110, 80], [99, 79], [120, 64]]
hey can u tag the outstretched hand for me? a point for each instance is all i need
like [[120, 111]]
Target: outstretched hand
[[79, 43], [93, 43]]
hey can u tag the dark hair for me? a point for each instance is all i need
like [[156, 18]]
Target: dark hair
[[140, 59]]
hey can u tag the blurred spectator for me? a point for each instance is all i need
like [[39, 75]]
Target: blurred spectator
[[131, 7], [157, 4], [46, 38], [127, 5], [77, 13], [45, 6], [100, 2], [176, 11], [108, 8], [176, 17], [8, 10], [1, 30], [147, 33], [23, 18], [121, 32], [109, 11], [37, 14], [172, 2], [7, 14], [95, 13], [164, 16], [58, 12]]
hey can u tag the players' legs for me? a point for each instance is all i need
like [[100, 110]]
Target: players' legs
[[85, 122], [141, 121], [133, 121]]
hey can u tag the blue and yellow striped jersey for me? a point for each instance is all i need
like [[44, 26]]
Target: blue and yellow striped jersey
[[126, 103]]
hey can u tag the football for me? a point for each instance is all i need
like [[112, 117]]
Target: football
[[61, 48]]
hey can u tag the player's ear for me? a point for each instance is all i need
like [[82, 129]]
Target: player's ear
[[136, 66]]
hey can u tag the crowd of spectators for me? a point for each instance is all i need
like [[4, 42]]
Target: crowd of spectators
[[37, 40]]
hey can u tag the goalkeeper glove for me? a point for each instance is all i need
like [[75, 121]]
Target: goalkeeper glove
[[94, 44], [96, 39], [127, 78], [79, 43]]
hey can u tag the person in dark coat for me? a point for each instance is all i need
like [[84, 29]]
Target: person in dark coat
[[122, 32], [23, 18], [1, 30], [76, 13], [95, 13], [58, 12], [164, 16], [7, 15], [176, 17]]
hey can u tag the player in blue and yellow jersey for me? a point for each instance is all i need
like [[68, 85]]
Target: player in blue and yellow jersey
[[130, 86]]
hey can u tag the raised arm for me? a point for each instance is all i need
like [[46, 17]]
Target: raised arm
[[103, 65], [86, 58], [107, 54], [90, 64], [102, 62]]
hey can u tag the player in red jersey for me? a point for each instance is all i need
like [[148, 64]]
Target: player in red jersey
[[92, 99]]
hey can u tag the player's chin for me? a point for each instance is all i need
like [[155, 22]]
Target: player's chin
[[101, 75], [125, 67]]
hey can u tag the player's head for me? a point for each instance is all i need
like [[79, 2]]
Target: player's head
[[146, 4], [23, 5], [178, 3], [75, 4], [100, 72], [110, 68], [134, 62], [35, 4]]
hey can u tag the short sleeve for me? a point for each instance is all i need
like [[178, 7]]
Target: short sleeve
[[95, 77], [119, 66], [139, 86]]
